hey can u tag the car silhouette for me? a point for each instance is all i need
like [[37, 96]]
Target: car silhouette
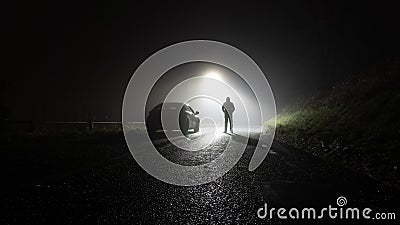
[[175, 115]]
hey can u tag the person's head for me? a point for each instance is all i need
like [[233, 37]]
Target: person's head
[[228, 99]]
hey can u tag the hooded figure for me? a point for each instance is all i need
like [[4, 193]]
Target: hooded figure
[[228, 108]]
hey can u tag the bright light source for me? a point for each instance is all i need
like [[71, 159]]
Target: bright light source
[[214, 75]]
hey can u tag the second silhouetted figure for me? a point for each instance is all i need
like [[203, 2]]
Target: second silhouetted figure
[[228, 108]]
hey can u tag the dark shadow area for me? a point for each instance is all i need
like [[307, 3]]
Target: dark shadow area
[[253, 141], [324, 182]]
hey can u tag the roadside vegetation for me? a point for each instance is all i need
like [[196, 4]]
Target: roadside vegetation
[[356, 123]]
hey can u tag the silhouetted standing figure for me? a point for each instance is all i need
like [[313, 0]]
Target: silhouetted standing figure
[[228, 108]]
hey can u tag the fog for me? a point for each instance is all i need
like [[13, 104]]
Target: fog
[[204, 86]]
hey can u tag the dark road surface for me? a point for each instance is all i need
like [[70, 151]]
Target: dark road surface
[[119, 191]]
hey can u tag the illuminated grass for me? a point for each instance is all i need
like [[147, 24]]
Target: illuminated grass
[[357, 123]]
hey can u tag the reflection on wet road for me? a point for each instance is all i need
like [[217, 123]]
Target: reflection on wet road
[[120, 191]]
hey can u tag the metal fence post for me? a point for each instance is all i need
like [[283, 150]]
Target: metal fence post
[[31, 126], [91, 125]]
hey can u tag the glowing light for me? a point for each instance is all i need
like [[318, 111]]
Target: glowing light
[[214, 75]]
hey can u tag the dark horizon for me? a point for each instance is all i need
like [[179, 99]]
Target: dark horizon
[[74, 62]]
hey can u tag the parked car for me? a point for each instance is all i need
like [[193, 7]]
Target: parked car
[[176, 116]]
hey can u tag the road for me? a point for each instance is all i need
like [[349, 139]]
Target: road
[[120, 191]]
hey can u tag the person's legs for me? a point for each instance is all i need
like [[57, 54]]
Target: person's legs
[[226, 122], [231, 122]]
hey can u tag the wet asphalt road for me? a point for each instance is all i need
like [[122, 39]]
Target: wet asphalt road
[[119, 191]]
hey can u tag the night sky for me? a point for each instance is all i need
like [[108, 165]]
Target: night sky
[[72, 61]]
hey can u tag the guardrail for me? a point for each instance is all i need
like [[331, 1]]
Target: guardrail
[[31, 126], [91, 125]]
